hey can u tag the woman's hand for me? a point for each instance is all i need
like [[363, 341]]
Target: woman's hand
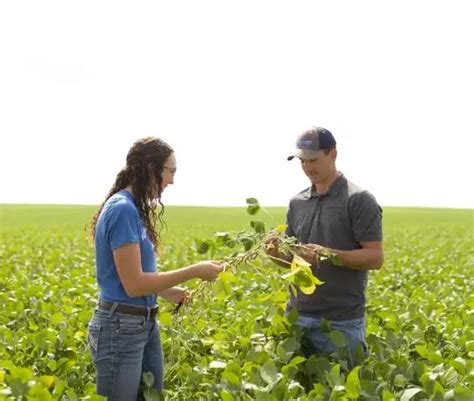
[[208, 270], [178, 295]]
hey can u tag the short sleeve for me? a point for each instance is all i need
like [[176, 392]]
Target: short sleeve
[[366, 217], [124, 227]]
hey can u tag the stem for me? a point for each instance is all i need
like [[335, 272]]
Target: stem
[[279, 259]]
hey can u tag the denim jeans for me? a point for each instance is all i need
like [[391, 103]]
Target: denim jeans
[[315, 341], [122, 348]]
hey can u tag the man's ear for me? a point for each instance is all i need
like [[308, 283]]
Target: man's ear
[[334, 154]]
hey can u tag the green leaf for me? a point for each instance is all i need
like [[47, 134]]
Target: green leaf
[[253, 209], [247, 242], [57, 318], [387, 395], [422, 351], [435, 357], [263, 396], [258, 226], [287, 348], [353, 386], [148, 379], [297, 360], [336, 260], [226, 396], [459, 364], [408, 394], [338, 339], [253, 206], [166, 319], [222, 237], [269, 373], [334, 377], [231, 377], [23, 374], [203, 247], [462, 394]]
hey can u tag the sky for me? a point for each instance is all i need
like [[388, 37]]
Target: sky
[[229, 85]]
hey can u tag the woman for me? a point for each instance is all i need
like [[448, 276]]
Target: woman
[[124, 337]]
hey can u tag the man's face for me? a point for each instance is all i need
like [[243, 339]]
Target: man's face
[[320, 168]]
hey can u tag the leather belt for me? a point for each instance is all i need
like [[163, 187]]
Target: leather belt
[[148, 312]]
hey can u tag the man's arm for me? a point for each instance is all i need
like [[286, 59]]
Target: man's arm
[[369, 257]]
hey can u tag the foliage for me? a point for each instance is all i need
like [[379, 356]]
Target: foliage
[[255, 244], [235, 343]]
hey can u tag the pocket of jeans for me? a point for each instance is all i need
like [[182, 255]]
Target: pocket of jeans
[[93, 338], [131, 325], [353, 330]]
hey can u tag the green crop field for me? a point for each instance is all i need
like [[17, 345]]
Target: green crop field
[[234, 342]]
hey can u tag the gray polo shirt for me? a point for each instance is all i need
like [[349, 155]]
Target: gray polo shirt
[[340, 219]]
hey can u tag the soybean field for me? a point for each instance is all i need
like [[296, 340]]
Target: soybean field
[[234, 341]]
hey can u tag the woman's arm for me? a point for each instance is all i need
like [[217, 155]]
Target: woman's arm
[[138, 283]]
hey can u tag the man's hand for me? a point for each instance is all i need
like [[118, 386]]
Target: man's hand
[[313, 253], [308, 253], [270, 245]]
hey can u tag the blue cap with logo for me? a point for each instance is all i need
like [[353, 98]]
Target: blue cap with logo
[[311, 141]]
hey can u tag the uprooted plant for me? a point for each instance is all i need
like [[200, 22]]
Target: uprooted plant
[[246, 246]]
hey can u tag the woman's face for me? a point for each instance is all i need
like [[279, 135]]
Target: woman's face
[[169, 170]]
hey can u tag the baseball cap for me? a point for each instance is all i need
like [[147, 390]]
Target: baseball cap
[[311, 141]]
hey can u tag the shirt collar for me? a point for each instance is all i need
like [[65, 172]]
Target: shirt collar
[[334, 189], [128, 195]]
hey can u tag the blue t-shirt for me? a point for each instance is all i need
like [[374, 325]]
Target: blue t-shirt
[[119, 223]]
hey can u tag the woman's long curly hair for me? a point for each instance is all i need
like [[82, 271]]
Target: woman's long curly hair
[[144, 173]]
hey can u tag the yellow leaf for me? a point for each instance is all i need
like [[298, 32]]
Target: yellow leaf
[[317, 281], [78, 335], [298, 262], [281, 228], [47, 381], [308, 290], [2, 376]]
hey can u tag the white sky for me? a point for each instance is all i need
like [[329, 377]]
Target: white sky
[[229, 85]]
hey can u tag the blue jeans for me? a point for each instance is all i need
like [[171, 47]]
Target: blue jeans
[[315, 341], [123, 347]]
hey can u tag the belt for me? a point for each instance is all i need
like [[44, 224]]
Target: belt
[[148, 312]]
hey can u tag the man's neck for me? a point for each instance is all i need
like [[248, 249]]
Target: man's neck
[[323, 187]]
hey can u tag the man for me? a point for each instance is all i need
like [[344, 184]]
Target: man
[[335, 213]]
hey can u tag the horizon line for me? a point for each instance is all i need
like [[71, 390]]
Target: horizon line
[[227, 206]]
